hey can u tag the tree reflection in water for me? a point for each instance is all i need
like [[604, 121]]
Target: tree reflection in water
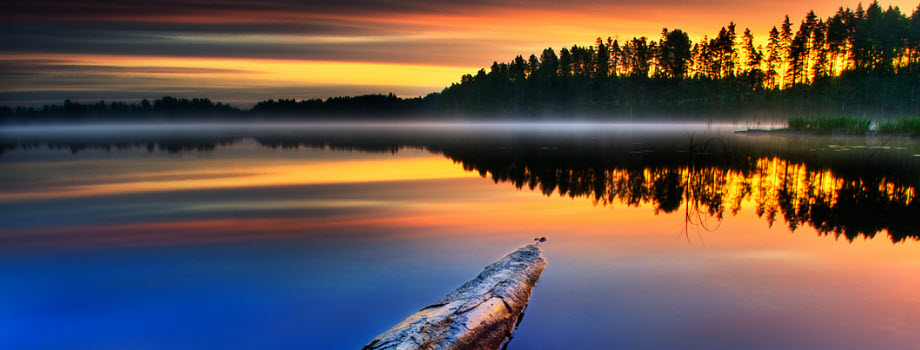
[[845, 207], [706, 187], [841, 195]]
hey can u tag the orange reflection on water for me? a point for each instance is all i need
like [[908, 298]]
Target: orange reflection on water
[[215, 174], [436, 194], [704, 191], [744, 274]]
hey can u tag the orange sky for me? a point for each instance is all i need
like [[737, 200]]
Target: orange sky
[[246, 51]]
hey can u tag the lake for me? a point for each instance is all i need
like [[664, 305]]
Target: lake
[[321, 236]]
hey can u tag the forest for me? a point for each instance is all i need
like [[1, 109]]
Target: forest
[[164, 106], [857, 62], [862, 62]]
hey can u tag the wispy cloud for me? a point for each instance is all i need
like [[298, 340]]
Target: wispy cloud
[[458, 35]]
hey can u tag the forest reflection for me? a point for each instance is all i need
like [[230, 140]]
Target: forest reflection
[[832, 205], [703, 181]]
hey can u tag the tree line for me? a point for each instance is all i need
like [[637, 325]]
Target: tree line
[[863, 62], [170, 107], [384, 105], [166, 105], [855, 62]]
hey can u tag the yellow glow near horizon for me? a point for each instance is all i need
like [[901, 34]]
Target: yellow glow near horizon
[[239, 72], [411, 50]]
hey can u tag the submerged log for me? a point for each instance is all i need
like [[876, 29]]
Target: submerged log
[[481, 314]]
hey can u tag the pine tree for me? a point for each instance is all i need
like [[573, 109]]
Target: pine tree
[[602, 64], [565, 63], [674, 55], [819, 51], [914, 36], [616, 56], [785, 39]]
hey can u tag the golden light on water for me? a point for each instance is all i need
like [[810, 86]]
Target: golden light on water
[[716, 187], [680, 198], [224, 174]]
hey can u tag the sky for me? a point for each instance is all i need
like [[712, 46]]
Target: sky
[[244, 51]]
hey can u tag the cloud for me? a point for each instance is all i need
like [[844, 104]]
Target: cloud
[[466, 34], [408, 49], [50, 66]]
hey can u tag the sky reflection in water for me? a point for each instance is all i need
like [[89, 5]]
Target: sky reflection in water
[[249, 246]]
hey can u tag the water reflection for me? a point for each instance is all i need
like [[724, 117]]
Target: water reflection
[[705, 184], [292, 237], [832, 205], [859, 193]]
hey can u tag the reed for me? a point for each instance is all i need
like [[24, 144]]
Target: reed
[[829, 124]]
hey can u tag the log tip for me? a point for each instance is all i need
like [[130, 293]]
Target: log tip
[[481, 314]]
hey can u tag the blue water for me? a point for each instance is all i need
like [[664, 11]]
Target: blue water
[[331, 265], [317, 295]]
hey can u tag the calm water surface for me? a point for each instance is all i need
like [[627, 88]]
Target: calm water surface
[[323, 236]]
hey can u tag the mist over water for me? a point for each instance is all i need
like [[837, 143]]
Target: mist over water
[[312, 235], [252, 127]]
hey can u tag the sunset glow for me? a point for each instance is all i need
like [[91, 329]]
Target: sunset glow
[[252, 51], [305, 174]]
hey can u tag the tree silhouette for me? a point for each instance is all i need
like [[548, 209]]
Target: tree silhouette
[[854, 62], [674, 54], [862, 62]]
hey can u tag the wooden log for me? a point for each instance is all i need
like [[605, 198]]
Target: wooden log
[[481, 314]]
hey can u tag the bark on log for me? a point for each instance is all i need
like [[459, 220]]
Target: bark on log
[[481, 314]]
